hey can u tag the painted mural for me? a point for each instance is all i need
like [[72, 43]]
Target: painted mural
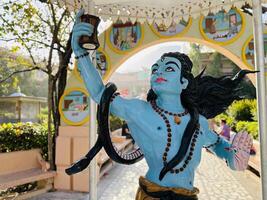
[[102, 64], [74, 107], [124, 36], [248, 51], [172, 30], [222, 26]]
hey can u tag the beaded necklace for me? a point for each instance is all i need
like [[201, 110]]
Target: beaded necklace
[[169, 138], [177, 116]]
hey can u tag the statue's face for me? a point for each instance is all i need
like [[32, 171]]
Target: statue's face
[[165, 77]]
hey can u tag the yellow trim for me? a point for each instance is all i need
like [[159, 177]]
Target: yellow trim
[[189, 23], [67, 121], [243, 25], [243, 54], [77, 74], [111, 46]]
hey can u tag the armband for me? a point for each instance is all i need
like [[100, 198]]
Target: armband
[[214, 144], [114, 96]]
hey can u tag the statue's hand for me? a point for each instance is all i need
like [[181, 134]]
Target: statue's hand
[[79, 29], [241, 146]]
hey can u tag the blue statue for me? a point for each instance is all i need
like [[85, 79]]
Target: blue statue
[[171, 127]]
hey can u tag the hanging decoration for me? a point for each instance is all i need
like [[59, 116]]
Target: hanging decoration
[[222, 27], [248, 51], [124, 37], [173, 30], [74, 106], [150, 10], [102, 65]]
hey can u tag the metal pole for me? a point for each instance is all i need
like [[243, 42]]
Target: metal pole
[[93, 166], [93, 130], [261, 90]]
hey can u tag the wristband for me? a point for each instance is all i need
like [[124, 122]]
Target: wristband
[[82, 55], [214, 144], [114, 96]]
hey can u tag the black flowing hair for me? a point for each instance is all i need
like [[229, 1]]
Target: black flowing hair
[[205, 95]]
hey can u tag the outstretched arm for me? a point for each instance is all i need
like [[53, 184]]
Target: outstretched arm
[[219, 146], [236, 154]]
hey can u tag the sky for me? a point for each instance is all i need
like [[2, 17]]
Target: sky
[[147, 57], [144, 59]]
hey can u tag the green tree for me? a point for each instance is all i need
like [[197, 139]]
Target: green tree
[[40, 26], [248, 90], [11, 65], [215, 66], [194, 55]]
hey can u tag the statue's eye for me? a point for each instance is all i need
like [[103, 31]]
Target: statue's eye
[[155, 70], [169, 69]]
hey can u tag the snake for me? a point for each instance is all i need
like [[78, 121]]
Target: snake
[[104, 138]]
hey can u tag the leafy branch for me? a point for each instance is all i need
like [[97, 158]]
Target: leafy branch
[[35, 26], [17, 72]]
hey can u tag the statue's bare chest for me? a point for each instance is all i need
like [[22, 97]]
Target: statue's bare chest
[[154, 132]]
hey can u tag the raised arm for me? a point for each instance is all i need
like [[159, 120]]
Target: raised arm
[[90, 75], [236, 154], [121, 107]]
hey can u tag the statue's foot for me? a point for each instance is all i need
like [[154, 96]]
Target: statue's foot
[[78, 166]]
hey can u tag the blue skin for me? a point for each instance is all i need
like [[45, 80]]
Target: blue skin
[[143, 121]]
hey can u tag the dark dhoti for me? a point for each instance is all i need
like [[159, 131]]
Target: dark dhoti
[[151, 191]]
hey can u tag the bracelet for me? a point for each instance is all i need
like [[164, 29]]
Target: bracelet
[[82, 55], [214, 144]]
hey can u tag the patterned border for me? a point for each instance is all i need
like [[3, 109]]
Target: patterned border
[[176, 35], [243, 53], [67, 121], [77, 74], [228, 41], [111, 46]]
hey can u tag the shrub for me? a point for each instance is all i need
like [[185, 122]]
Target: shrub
[[250, 127], [254, 112], [43, 116], [229, 120], [242, 110], [241, 115], [23, 136], [115, 123], [241, 126]]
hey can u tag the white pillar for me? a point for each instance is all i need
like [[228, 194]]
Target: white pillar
[[93, 164], [261, 90], [93, 130]]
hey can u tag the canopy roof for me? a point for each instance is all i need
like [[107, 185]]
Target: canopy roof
[[150, 10]]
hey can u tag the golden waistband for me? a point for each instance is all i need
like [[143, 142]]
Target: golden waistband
[[153, 188]]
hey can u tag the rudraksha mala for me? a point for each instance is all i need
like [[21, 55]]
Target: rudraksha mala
[[169, 137]]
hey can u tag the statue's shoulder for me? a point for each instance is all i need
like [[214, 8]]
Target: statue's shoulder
[[136, 103]]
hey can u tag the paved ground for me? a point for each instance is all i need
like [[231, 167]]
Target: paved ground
[[213, 178]]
